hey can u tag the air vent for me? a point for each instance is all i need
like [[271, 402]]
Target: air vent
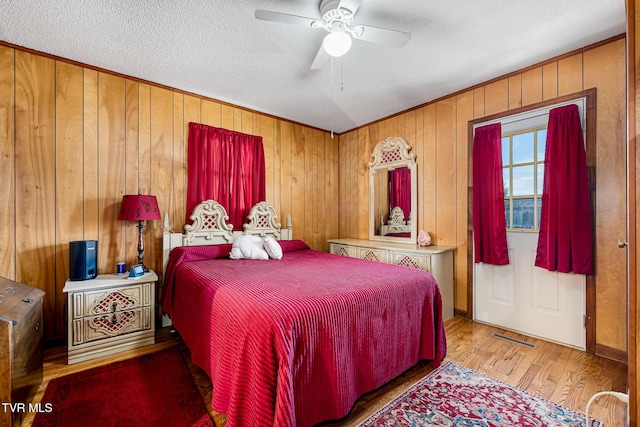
[[513, 340]]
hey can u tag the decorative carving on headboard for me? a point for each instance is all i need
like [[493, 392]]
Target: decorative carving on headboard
[[262, 220], [396, 223], [209, 221], [396, 219]]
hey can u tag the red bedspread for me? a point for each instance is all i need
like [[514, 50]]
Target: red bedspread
[[296, 341]]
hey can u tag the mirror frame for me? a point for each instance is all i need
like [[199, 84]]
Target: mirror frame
[[389, 154]]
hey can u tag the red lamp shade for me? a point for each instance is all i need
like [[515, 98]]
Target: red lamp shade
[[139, 207]]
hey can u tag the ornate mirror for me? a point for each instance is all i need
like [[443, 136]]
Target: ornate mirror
[[393, 192]]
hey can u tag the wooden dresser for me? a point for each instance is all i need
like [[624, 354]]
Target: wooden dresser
[[20, 348], [437, 260], [109, 314]]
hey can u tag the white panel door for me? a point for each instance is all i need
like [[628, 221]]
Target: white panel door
[[529, 299]]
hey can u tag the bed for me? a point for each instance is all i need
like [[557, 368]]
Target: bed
[[294, 341], [396, 226]]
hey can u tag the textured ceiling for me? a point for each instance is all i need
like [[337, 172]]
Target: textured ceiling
[[218, 49]]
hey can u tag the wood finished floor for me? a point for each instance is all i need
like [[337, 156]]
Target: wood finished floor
[[560, 374]]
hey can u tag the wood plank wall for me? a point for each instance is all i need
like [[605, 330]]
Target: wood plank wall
[[438, 134], [74, 139], [633, 96]]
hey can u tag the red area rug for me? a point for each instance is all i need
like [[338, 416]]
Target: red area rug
[[150, 390], [453, 395]]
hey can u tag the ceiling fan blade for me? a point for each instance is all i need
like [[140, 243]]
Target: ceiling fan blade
[[322, 57], [285, 18], [351, 5], [382, 35]]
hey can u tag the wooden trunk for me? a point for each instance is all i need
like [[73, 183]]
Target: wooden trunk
[[20, 349]]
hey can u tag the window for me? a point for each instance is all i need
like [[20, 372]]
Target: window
[[225, 166], [522, 174], [524, 137]]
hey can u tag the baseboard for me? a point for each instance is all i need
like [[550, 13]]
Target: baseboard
[[460, 313], [612, 353]]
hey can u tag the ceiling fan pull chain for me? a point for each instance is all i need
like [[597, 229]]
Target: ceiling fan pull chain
[[342, 75], [332, 101], [332, 79]]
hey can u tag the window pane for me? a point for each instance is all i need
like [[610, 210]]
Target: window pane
[[523, 213], [539, 203], [542, 143], [506, 212], [523, 181], [523, 148], [505, 181], [505, 151], [540, 179]]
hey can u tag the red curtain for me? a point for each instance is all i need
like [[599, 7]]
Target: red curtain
[[400, 190], [565, 240], [489, 222], [225, 166]]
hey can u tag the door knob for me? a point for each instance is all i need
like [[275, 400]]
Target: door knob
[[622, 243]]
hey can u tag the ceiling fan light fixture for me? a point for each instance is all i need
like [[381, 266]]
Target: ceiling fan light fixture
[[337, 43]]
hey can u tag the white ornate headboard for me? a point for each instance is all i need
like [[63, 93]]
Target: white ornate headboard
[[210, 227], [209, 223], [263, 221], [396, 222]]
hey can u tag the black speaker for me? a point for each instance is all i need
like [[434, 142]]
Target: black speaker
[[83, 259]]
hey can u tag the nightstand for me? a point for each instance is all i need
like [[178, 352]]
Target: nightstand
[[109, 314]]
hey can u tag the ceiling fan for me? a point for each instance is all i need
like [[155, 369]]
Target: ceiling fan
[[337, 18]]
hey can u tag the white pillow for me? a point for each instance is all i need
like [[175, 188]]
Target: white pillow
[[248, 247], [272, 247]]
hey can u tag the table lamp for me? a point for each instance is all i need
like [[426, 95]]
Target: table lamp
[[139, 207]]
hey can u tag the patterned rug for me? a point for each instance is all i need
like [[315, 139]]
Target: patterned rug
[[151, 390], [455, 396]]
